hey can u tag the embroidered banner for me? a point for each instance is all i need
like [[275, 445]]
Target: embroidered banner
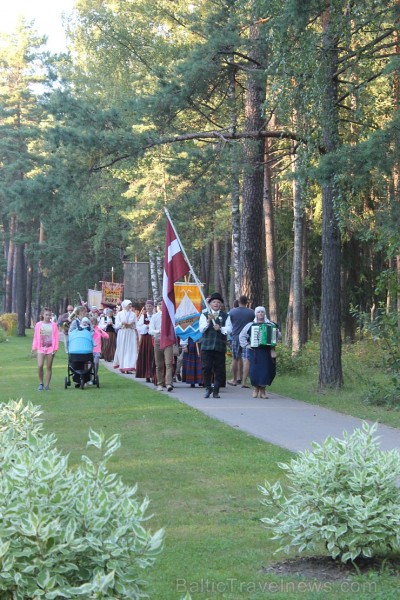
[[188, 311], [111, 292]]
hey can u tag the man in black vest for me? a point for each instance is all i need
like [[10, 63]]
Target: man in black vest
[[213, 344]]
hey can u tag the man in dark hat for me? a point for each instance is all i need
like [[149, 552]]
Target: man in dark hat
[[213, 344]]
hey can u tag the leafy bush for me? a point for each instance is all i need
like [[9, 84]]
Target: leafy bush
[[385, 332], [384, 395], [66, 533], [3, 335], [361, 358], [297, 363], [8, 322], [385, 328], [344, 493]]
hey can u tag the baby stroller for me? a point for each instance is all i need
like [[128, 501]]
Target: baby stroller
[[80, 357], [81, 370]]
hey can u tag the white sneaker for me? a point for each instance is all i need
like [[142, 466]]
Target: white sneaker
[[159, 388], [90, 382]]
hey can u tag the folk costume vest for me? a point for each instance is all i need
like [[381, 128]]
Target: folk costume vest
[[215, 340]]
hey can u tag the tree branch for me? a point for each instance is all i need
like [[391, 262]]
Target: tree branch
[[359, 52], [360, 85], [205, 136]]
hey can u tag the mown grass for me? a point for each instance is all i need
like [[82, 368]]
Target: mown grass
[[200, 475]]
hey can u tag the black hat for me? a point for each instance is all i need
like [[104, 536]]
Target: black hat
[[216, 296]]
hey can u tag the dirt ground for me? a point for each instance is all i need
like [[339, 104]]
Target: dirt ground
[[324, 568]]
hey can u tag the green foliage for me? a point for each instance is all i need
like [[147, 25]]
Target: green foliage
[[384, 395], [3, 336], [384, 330], [296, 363], [344, 493], [66, 533]]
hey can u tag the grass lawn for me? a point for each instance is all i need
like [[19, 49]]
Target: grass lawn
[[200, 475]]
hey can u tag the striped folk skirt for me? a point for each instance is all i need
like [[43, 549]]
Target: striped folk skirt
[[145, 366], [191, 364], [108, 346]]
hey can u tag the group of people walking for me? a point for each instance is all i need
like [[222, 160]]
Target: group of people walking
[[132, 343], [253, 355]]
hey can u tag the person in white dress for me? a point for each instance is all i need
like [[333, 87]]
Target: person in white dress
[[127, 339]]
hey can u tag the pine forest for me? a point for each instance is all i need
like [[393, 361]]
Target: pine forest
[[269, 129]]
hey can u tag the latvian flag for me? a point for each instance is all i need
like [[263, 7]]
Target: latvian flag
[[175, 267]]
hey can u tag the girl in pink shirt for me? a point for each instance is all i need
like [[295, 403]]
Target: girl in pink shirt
[[45, 342], [97, 335]]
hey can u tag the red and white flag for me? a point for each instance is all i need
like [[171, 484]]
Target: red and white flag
[[175, 267]]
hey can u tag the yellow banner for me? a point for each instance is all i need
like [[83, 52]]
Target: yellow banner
[[192, 293], [111, 292], [188, 310]]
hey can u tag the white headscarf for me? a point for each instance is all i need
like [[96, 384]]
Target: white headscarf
[[125, 304], [259, 309]]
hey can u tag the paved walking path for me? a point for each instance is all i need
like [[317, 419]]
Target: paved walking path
[[288, 423]]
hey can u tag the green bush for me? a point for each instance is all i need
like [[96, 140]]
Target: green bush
[[384, 395], [384, 331], [297, 363], [344, 493], [66, 533], [384, 328]]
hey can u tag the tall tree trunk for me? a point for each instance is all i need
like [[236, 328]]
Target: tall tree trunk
[[14, 282], [396, 173], [235, 188], [217, 264], [297, 262], [39, 275], [349, 282], [6, 244], [20, 288], [207, 266], [29, 285], [251, 264], [155, 290], [270, 248], [289, 316], [224, 271], [330, 365], [160, 269], [305, 317], [10, 266]]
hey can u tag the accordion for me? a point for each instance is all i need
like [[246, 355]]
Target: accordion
[[265, 334]]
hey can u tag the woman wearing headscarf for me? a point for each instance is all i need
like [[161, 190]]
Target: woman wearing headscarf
[[254, 337], [108, 345], [127, 338], [145, 364]]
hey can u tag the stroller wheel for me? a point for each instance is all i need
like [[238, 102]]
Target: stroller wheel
[[82, 383], [66, 382], [97, 381]]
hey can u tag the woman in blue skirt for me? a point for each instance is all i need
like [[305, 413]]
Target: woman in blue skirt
[[262, 355]]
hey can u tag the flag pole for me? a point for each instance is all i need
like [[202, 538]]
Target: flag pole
[[196, 279]]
